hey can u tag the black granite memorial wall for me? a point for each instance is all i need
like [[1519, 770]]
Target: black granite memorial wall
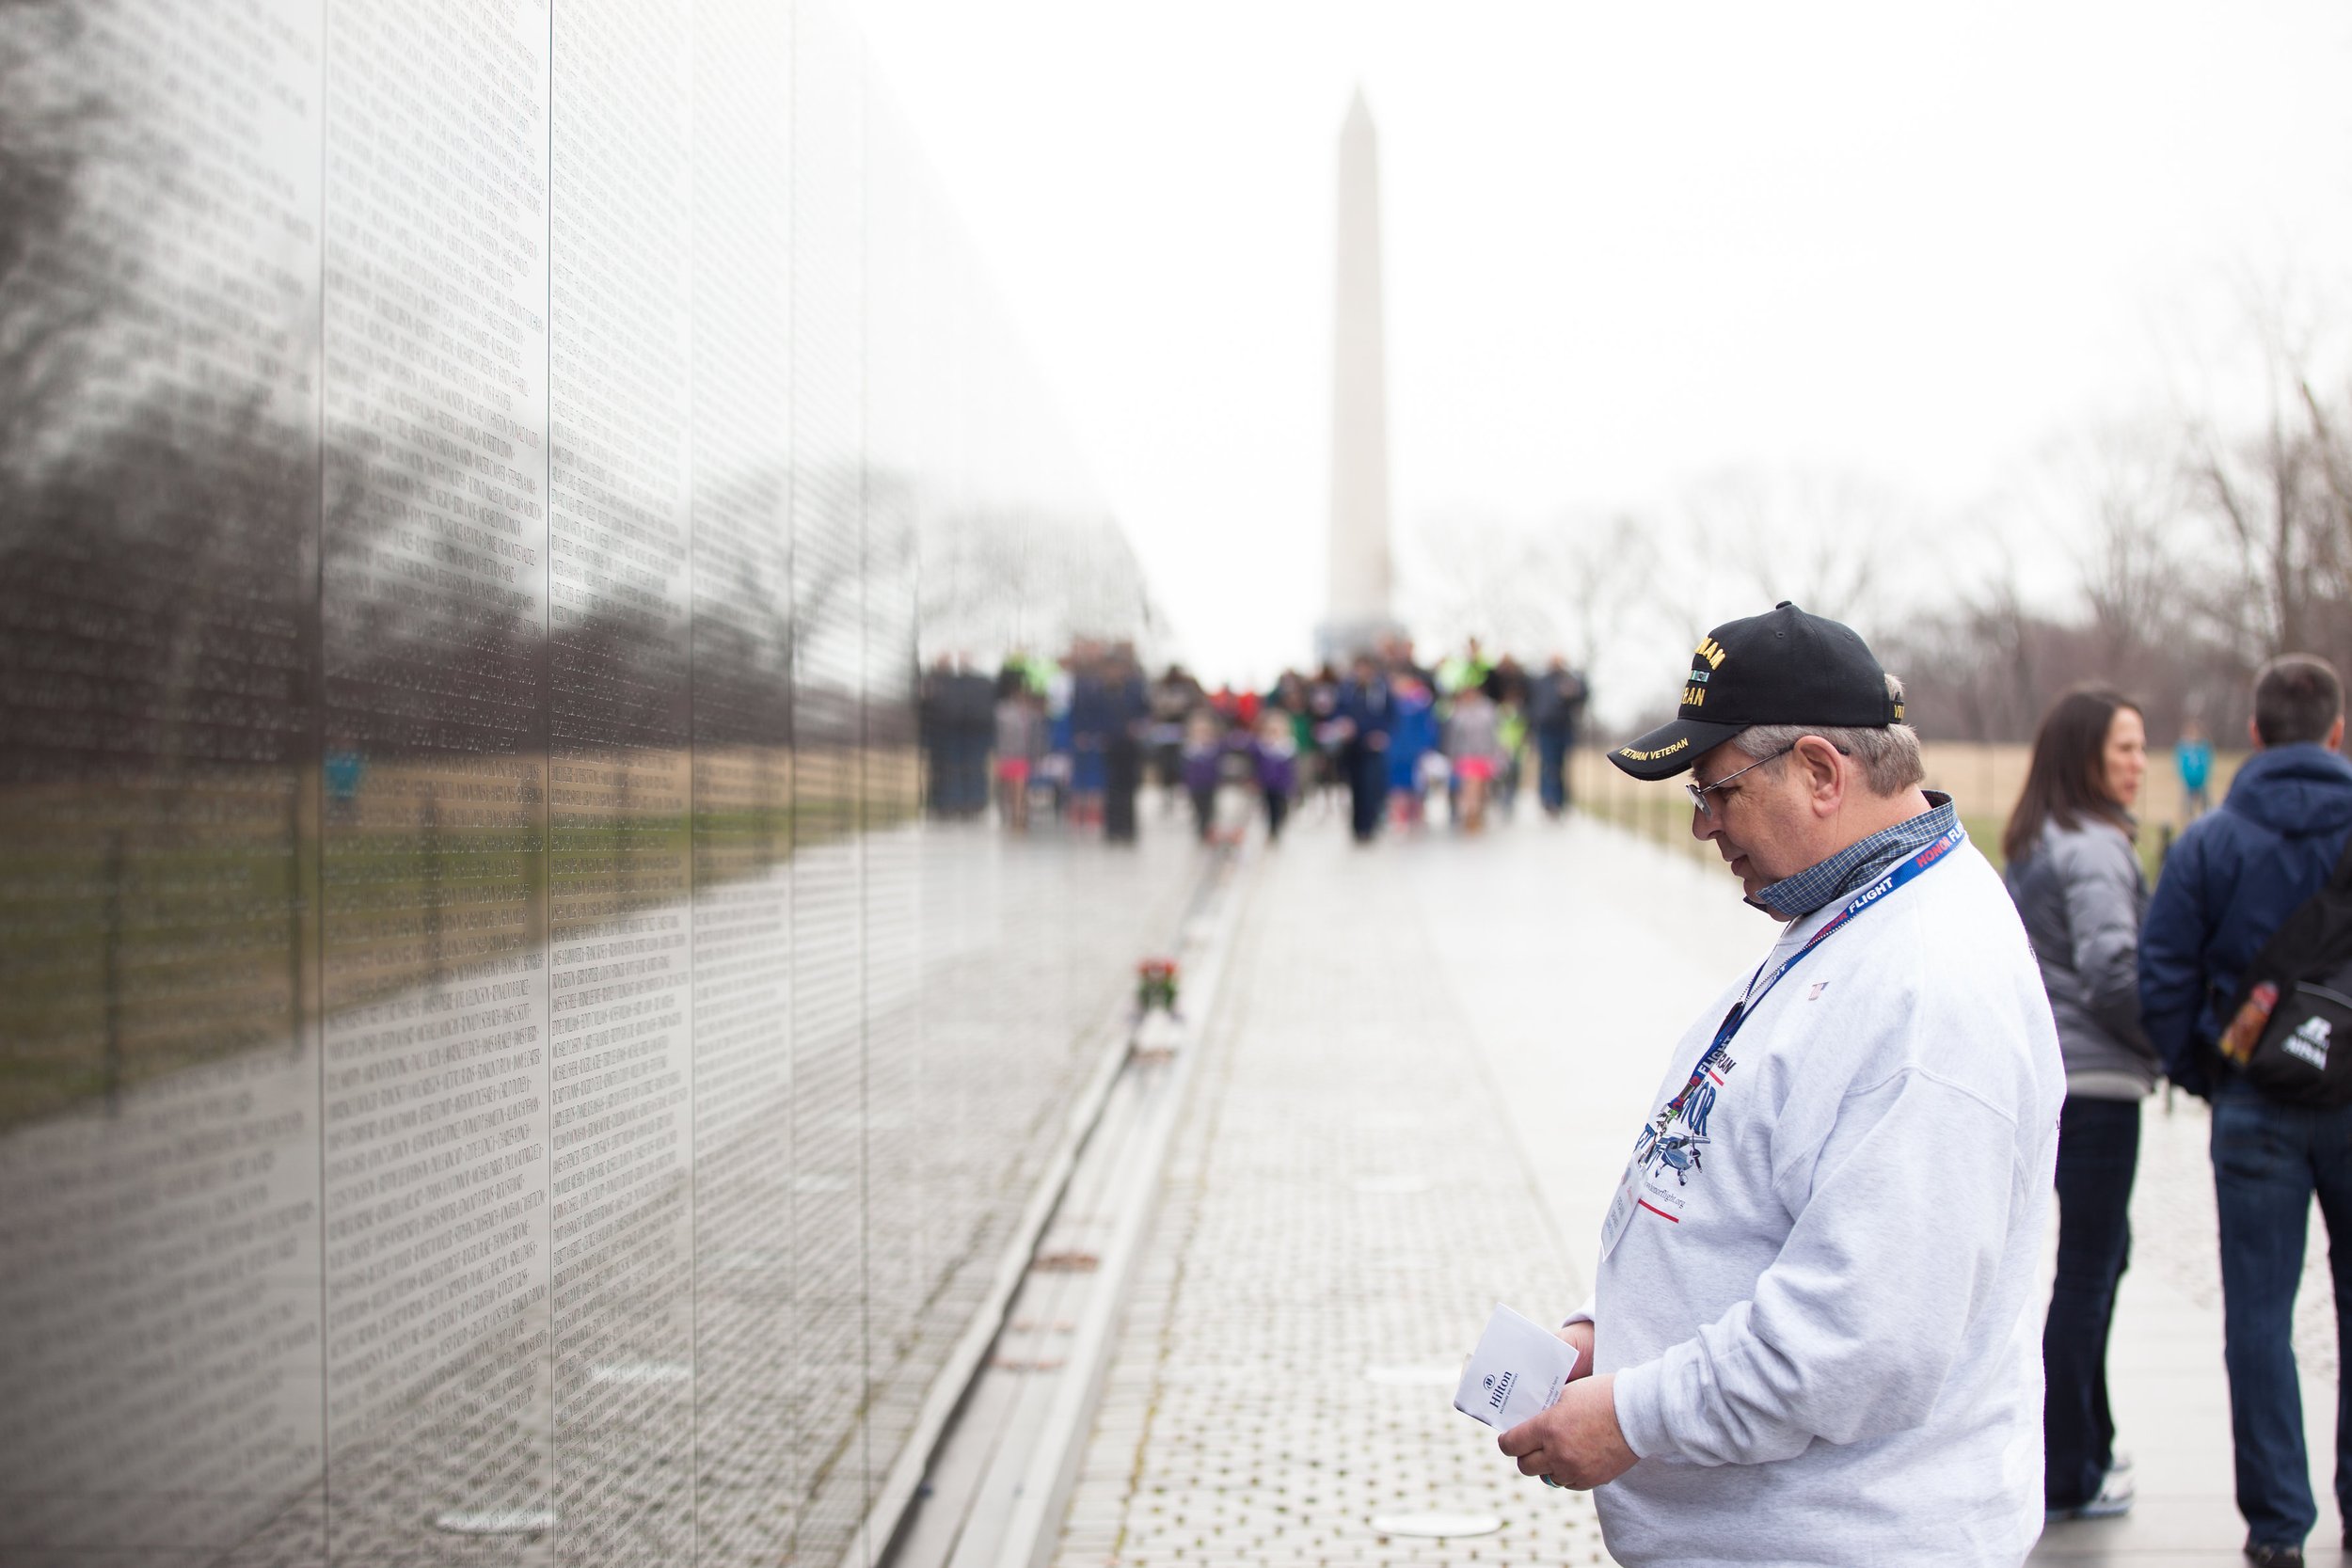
[[493, 1065]]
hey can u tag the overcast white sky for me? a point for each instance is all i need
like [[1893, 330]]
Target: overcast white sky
[[1627, 247]]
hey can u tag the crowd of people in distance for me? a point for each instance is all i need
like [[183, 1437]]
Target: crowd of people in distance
[[1078, 737]]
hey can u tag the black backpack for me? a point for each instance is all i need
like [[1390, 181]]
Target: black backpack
[[2290, 1032]]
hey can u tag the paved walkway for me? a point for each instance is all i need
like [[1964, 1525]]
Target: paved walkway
[[1418, 1074]]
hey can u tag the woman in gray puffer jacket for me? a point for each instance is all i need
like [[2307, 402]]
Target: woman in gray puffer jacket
[[2076, 877]]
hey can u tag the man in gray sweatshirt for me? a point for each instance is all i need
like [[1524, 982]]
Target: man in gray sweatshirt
[[1814, 1335]]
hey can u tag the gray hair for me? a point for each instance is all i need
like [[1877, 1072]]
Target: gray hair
[[1889, 756]]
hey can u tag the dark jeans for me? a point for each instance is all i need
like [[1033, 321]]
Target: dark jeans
[[960, 773], [1203, 810], [1278, 806], [2098, 1150], [1552, 768], [1123, 776], [1367, 791], [2268, 1161]]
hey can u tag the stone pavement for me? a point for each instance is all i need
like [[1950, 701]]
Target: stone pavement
[[1421, 1078]]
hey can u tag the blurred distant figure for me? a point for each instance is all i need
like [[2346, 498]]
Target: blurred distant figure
[[1555, 704], [958, 720], [1324, 725], [1413, 737], [1128, 714], [1276, 756], [1203, 762], [2193, 756], [1507, 686], [342, 773], [1020, 745], [1365, 717], [1093, 715], [1059, 770], [1473, 741], [1468, 668], [1295, 699], [1174, 697]]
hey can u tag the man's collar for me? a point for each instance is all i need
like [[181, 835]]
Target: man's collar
[[1857, 863]]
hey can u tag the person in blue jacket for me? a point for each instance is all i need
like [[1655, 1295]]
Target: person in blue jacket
[[1412, 736], [2234, 877], [1365, 716]]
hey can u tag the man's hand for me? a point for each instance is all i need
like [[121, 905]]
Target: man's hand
[[1576, 1442]]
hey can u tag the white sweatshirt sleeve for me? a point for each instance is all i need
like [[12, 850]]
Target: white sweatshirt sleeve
[[1901, 1217]]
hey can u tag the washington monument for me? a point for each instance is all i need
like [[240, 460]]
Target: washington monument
[[1359, 612]]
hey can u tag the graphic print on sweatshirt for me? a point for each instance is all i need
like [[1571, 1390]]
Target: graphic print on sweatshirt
[[1672, 1149]]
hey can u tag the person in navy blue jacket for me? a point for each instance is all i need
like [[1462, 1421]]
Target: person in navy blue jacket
[[1366, 716], [2234, 877]]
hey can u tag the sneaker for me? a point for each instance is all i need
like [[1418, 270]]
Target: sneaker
[[2274, 1557], [2114, 1498]]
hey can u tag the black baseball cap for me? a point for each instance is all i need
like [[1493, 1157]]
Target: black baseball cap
[[1781, 667]]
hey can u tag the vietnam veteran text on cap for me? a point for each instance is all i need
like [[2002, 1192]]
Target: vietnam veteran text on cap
[[1781, 667]]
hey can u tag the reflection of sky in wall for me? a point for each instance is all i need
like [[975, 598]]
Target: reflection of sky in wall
[[1627, 247]]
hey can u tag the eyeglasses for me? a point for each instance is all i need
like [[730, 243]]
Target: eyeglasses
[[1699, 793]]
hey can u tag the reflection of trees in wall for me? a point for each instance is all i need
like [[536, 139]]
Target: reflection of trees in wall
[[390, 669], [154, 496], [1006, 579], [158, 493], [183, 486]]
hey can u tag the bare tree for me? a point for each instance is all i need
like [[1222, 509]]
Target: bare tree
[[1607, 569], [2334, 464], [2266, 492], [2271, 488], [1821, 539], [2116, 494], [1480, 576]]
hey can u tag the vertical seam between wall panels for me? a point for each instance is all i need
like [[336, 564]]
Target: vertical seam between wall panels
[[547, 739], [693, 1078], [791, 734], [318, 735], [864, 787]]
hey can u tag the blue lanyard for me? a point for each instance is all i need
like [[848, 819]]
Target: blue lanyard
[[1752, 998]]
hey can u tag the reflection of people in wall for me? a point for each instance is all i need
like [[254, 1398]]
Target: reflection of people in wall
[[342, 773], [957, 723], [1020, 746], [1127, 711], [1093, 718]]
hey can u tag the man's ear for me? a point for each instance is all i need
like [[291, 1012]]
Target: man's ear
[[1819, 759]]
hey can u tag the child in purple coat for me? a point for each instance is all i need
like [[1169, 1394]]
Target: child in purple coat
[[1275, 751], [1203, 757]]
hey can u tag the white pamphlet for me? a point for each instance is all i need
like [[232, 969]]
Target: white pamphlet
[[1516, 1371]]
